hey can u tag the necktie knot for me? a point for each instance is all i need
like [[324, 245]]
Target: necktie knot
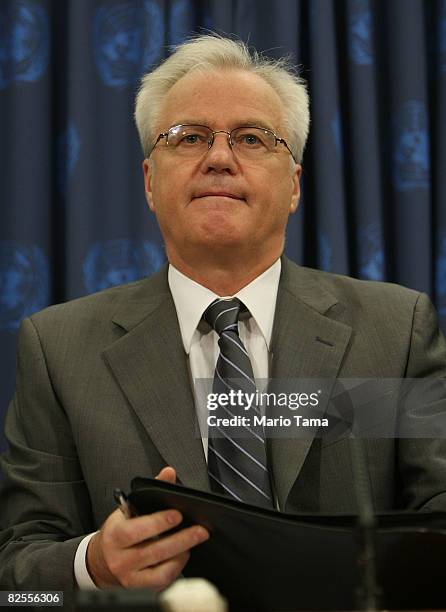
[[222, 315]]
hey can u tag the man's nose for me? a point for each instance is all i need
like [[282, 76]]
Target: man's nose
[[220, 157]]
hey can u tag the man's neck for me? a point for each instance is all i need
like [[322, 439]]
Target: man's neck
[[222, 279]]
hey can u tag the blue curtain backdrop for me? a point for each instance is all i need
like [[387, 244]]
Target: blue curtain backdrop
[[73, 216]]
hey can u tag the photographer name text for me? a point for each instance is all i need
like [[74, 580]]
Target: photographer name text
[[296, 420]]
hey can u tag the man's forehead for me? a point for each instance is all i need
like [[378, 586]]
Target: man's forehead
[[222, 99]]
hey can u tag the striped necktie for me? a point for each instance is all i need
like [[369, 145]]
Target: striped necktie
[[237, 466]]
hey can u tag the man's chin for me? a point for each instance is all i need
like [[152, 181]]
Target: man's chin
[[219, 241], [221, 215], [220, 228]]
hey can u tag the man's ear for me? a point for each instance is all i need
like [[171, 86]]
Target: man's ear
[[295, 197], [147, 168]]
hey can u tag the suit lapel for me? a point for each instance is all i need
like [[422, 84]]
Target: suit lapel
[[150, 366], [306, 344]]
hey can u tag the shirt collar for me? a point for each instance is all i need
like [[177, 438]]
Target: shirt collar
[[191, 299]]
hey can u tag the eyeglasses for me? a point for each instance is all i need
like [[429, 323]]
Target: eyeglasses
[[248, 142]]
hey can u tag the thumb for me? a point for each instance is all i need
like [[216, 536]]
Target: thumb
[[167, 474]]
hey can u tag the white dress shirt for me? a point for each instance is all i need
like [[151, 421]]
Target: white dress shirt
[[201, 346], [201, 343]]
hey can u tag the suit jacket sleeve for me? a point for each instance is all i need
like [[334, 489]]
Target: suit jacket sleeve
[[422, 460], [45, 509]]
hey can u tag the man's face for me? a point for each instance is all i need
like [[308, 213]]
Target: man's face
[[216, 202]]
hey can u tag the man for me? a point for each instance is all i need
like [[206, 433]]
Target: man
[[105, 384]]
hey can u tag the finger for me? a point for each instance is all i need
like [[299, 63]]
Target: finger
[[117, 516], [168, 547], [124, 533], [161, 576], [168, 474]]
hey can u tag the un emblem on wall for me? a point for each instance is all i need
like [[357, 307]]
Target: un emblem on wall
[[371, 261], [24, 283], [411, 147], [24, 42], [127, 39], [118, 262], [360, 38]]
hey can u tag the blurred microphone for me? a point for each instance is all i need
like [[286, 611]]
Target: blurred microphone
[[192, 595]]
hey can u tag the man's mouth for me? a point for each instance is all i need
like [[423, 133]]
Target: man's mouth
[[219, 194]]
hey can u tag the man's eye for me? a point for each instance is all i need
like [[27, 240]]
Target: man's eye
[[191, 139], [251, 139]]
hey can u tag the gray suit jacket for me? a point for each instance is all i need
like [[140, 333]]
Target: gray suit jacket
[[103, 394]]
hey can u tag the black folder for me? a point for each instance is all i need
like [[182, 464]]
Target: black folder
[[266, 560]]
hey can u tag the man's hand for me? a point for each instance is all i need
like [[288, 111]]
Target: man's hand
[[127, 552]]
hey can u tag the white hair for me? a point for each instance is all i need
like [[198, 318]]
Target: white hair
[[213, 52]]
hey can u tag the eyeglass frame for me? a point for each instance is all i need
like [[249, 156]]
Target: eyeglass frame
[[211, 142]]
